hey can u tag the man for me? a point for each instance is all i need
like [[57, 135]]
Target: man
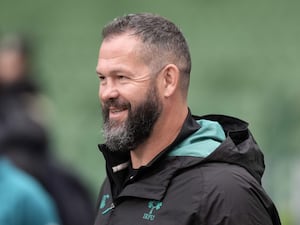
[[165, 166]]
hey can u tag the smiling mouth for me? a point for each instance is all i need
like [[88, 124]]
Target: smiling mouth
[[116, 110], [117, 113]]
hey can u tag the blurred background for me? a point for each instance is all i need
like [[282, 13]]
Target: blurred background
[[245, 57]]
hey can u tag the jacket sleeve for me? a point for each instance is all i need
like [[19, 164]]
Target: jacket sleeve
[[231, 196]]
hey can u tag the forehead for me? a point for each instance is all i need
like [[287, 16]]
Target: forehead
[[119, 51], [119, 45]]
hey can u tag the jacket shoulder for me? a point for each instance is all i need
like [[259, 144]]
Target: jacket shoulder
[[228, 194]]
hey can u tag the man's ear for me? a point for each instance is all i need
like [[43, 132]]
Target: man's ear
[[170, 79]]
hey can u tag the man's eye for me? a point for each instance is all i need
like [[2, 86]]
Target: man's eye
[[101, 78], [121, 77]]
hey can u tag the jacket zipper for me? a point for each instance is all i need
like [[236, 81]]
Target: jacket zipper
[[112, 206]]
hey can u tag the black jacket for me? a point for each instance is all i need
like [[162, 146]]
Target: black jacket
[[223, 187]]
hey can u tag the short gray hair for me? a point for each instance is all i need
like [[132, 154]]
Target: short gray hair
[[162, 40]]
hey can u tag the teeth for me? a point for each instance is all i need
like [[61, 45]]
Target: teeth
[[116, 110]]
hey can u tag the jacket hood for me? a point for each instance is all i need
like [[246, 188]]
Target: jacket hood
[[237, 146]]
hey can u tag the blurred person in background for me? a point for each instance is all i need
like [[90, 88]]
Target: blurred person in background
[[23, 200], [24, 139], [163, 164]]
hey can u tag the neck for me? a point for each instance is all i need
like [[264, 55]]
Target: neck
[[164, 133]]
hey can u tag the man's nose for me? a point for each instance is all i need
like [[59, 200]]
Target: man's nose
[[108, 91]]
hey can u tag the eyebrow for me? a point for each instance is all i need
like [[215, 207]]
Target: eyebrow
[[115, 72]]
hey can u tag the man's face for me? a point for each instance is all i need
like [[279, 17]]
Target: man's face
[[129, 98]]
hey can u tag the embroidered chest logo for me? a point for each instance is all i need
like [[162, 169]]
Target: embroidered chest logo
[[153, 206], [103, 201], [103, 204]]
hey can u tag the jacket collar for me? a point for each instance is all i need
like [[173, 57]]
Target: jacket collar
[[160, 173]]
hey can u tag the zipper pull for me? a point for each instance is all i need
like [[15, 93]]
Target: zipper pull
[[112, 206]]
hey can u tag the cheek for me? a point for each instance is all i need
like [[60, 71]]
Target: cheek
[[137, 97]]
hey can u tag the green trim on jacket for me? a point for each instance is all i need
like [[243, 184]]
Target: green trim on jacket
[[201, 143]]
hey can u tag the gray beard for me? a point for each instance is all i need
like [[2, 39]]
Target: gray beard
[[137, 128], [117, 138]]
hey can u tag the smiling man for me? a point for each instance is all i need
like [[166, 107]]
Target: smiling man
[[131, 103], [165, 166]]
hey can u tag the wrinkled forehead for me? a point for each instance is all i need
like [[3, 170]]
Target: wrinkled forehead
[[118, 44], [119, 52]]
